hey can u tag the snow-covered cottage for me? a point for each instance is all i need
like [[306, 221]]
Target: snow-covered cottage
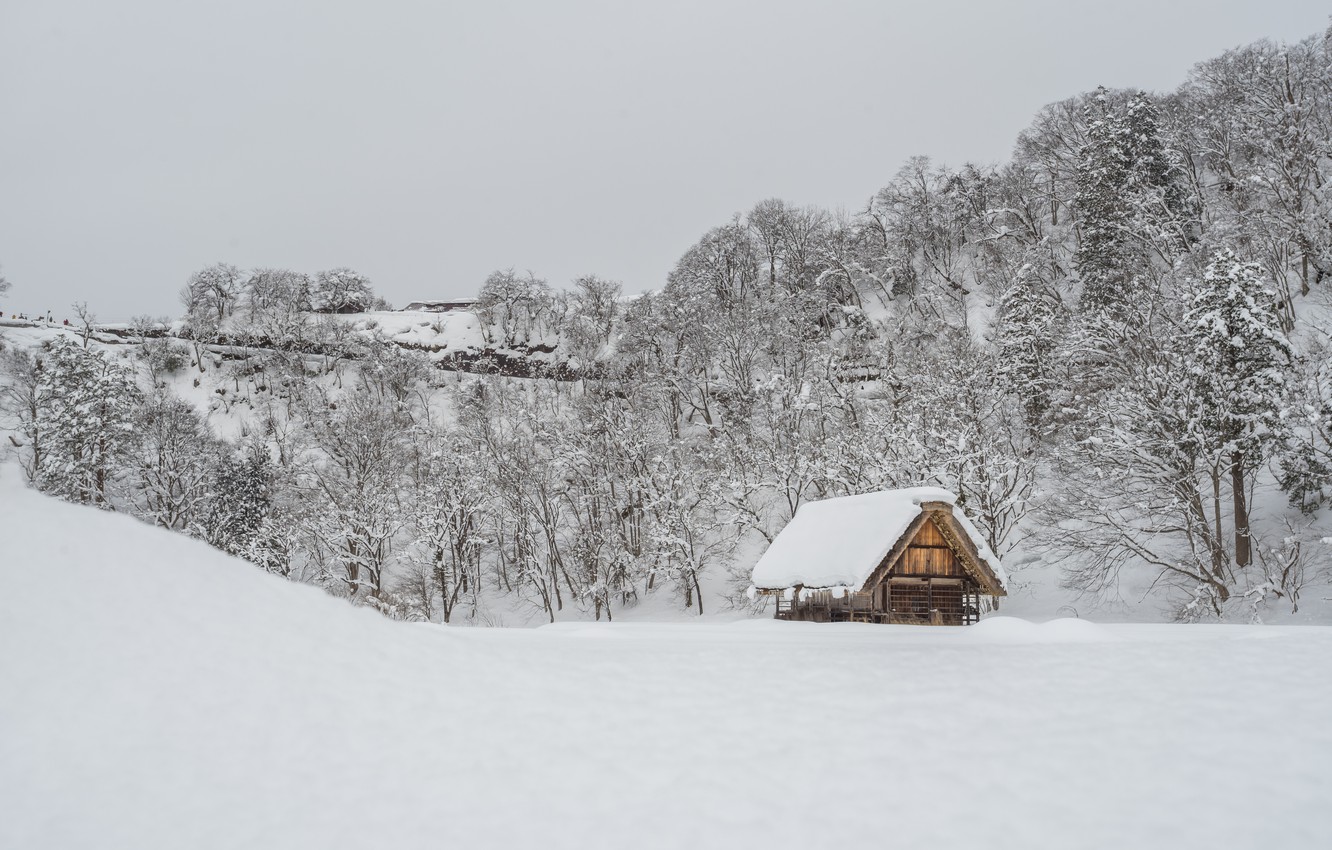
[[899, 556]]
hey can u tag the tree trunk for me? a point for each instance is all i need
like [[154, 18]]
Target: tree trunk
[[1243, 555], [1218, 548], [353, 568], [442, 582]]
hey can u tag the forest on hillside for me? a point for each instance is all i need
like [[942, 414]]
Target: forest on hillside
[[1114, 348]]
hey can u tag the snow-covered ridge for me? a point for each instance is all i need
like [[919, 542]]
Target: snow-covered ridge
[[452, 331], [452, 340]]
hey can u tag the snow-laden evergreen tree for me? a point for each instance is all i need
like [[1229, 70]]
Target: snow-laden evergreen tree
[[236, 516], [1240, 365], [1026, 343], [1129, 201], [240, 501], [1305, 456], [87, 422]]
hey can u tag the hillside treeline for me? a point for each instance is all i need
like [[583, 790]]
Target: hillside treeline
[[1113, 347]]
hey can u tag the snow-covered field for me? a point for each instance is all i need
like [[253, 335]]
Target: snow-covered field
[[159, 694]]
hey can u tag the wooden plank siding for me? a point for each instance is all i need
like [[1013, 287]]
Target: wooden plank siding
[[929, 554], [929, 535], [929, 561]]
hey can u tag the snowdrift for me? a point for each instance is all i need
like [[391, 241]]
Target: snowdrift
[[157, 694]]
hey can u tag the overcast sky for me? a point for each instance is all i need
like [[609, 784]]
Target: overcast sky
[[428, 143]]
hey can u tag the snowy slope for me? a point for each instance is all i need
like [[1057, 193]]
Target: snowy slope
[[452, 332], [157, 694]]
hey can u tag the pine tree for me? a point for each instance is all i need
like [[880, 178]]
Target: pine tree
[[240, 500], [1128, 200], [1240, 365], [87, 421], [1026, 343], [1305, 455]]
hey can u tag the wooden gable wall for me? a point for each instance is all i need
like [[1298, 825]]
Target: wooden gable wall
[[928, 554], [948, 550]]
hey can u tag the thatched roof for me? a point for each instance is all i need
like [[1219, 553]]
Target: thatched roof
[[853, 541]]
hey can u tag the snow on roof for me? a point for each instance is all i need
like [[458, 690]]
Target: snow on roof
[[838, 543]]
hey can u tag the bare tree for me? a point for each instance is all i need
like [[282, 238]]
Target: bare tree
[[23, 396], [212, 292], [87, 320]]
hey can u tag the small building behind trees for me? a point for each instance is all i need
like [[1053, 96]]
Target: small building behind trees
[[897, 556]]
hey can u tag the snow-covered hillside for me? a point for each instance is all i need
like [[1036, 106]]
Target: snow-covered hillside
[[237, 395], [158, 694]]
